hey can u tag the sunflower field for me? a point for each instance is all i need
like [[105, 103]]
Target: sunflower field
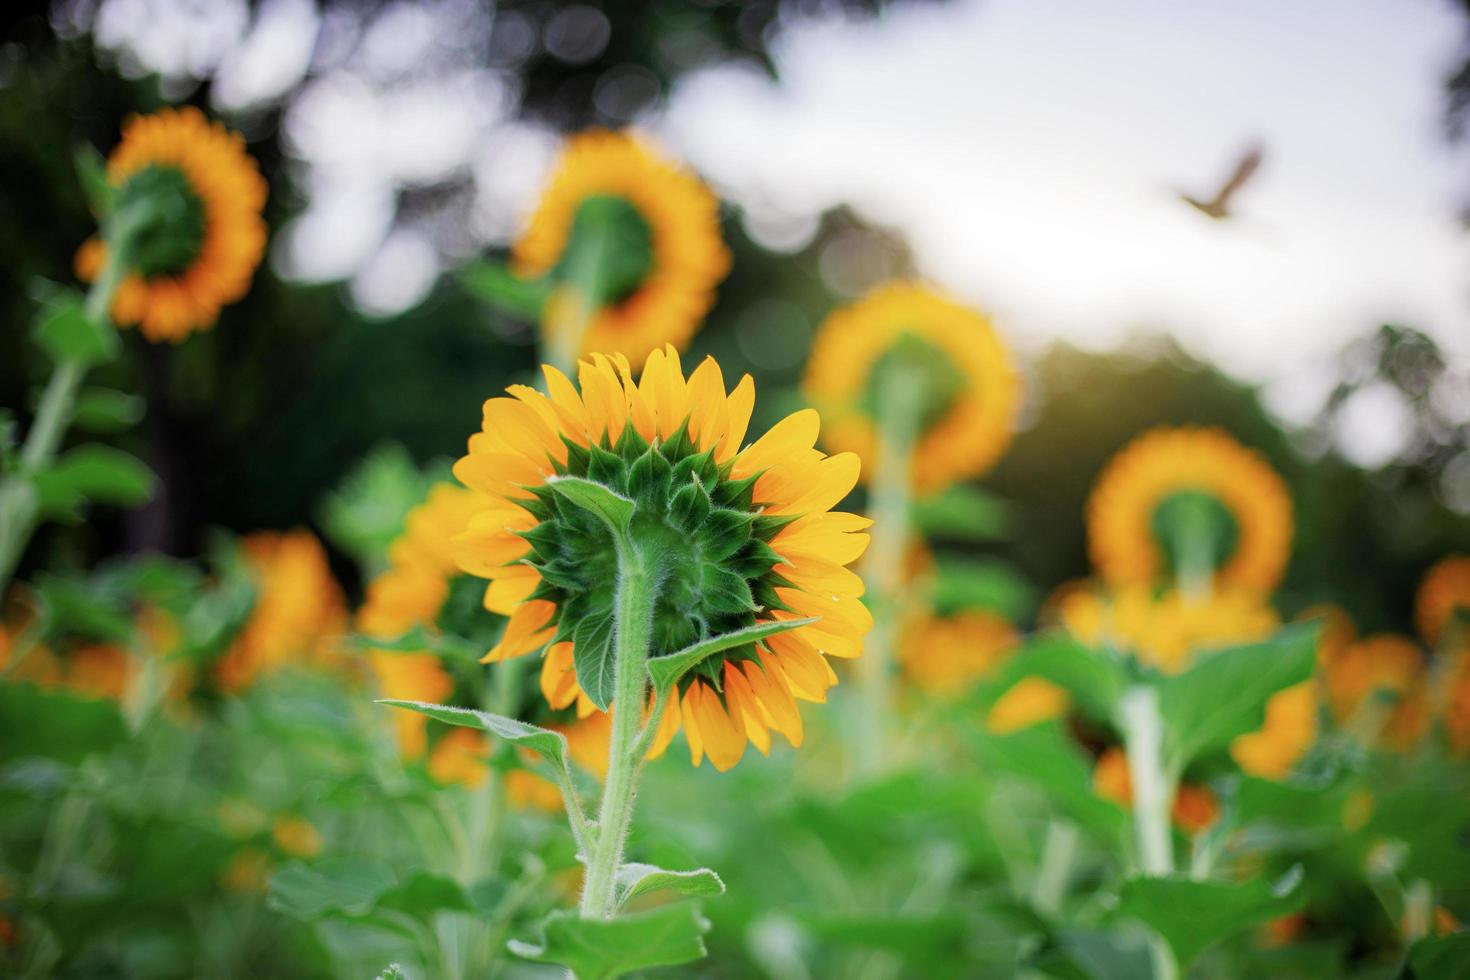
[[645, 596]]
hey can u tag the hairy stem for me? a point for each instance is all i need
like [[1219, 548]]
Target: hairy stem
[[632, 629], [899, 402]]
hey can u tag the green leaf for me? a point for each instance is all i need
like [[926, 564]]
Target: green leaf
[[1117, 954], [550, 745], [614, 510], [93, 474], [55, 724], [640, 879], [106, 410], [594, 658], [1095, 678], [422, 894], [962, 513], [1441, 958], [502, 289], [598, 949], [667, 670], [344, 885], [1042, 756], [68, 335], [421, 639], [392, 972], [991, 584], [92, 174], [1190, 915], [1224, 695]]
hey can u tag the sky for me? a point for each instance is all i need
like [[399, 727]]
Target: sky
[[1032, 152]]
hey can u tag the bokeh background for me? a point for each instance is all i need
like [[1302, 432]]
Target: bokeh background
[[1029, 156]]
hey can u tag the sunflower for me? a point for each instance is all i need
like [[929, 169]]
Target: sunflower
[[299, 614], [1167, 631], [746, 536], [1194, 808], [1444, 599], [1173, 484], [1029, 701], [1289, 730], [660, 278], [1381, 666], [909, 341], [946, 655], [422, 588], [199, 252]]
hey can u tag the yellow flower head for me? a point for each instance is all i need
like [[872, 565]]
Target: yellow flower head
[[945, 655], [1290, 729], [909, 341], [1167, 630], [1169, 474], [1444, 599], [665, 274], [746, 535], [200, 256], [1381, 666], [299, 615], [1029, 701]]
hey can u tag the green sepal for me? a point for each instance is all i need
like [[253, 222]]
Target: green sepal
[[613, 509]]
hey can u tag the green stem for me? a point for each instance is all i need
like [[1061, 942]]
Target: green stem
[[19, 507], [900, 401], [1153, 792], [632, 630], [1057, 855]]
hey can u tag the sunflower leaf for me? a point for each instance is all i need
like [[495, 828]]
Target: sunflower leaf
[[613, 509], [1224, 695], [551, 746], [640, 879], [667, 670], [1191, 915], [599, 949], [594, 658]]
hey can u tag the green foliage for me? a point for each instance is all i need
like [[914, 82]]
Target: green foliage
[[981, 583], [1191, 914], [1441, 958], [365, 512], [641, 879], [93, 474], [599, 949], [503, 290], [1224, 694], [92, 175], [54, 724], [69, 336], [345, 885], [1096, 679], [107, 411], [551, 746]]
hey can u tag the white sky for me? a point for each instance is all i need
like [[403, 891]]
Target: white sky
[[1031, 151]]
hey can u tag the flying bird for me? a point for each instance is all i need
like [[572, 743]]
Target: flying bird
[[1218, 208]]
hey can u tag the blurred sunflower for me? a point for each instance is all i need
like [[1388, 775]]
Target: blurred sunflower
[[419, 589], [205, 236], [1444, 600], [745, 535], [652, 232], [1289, 730], [1380, 670], [945, 361], [1194, 808], [1029, 701], [1174, 498], [299, 615], [1165, 630], [945, 655]]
